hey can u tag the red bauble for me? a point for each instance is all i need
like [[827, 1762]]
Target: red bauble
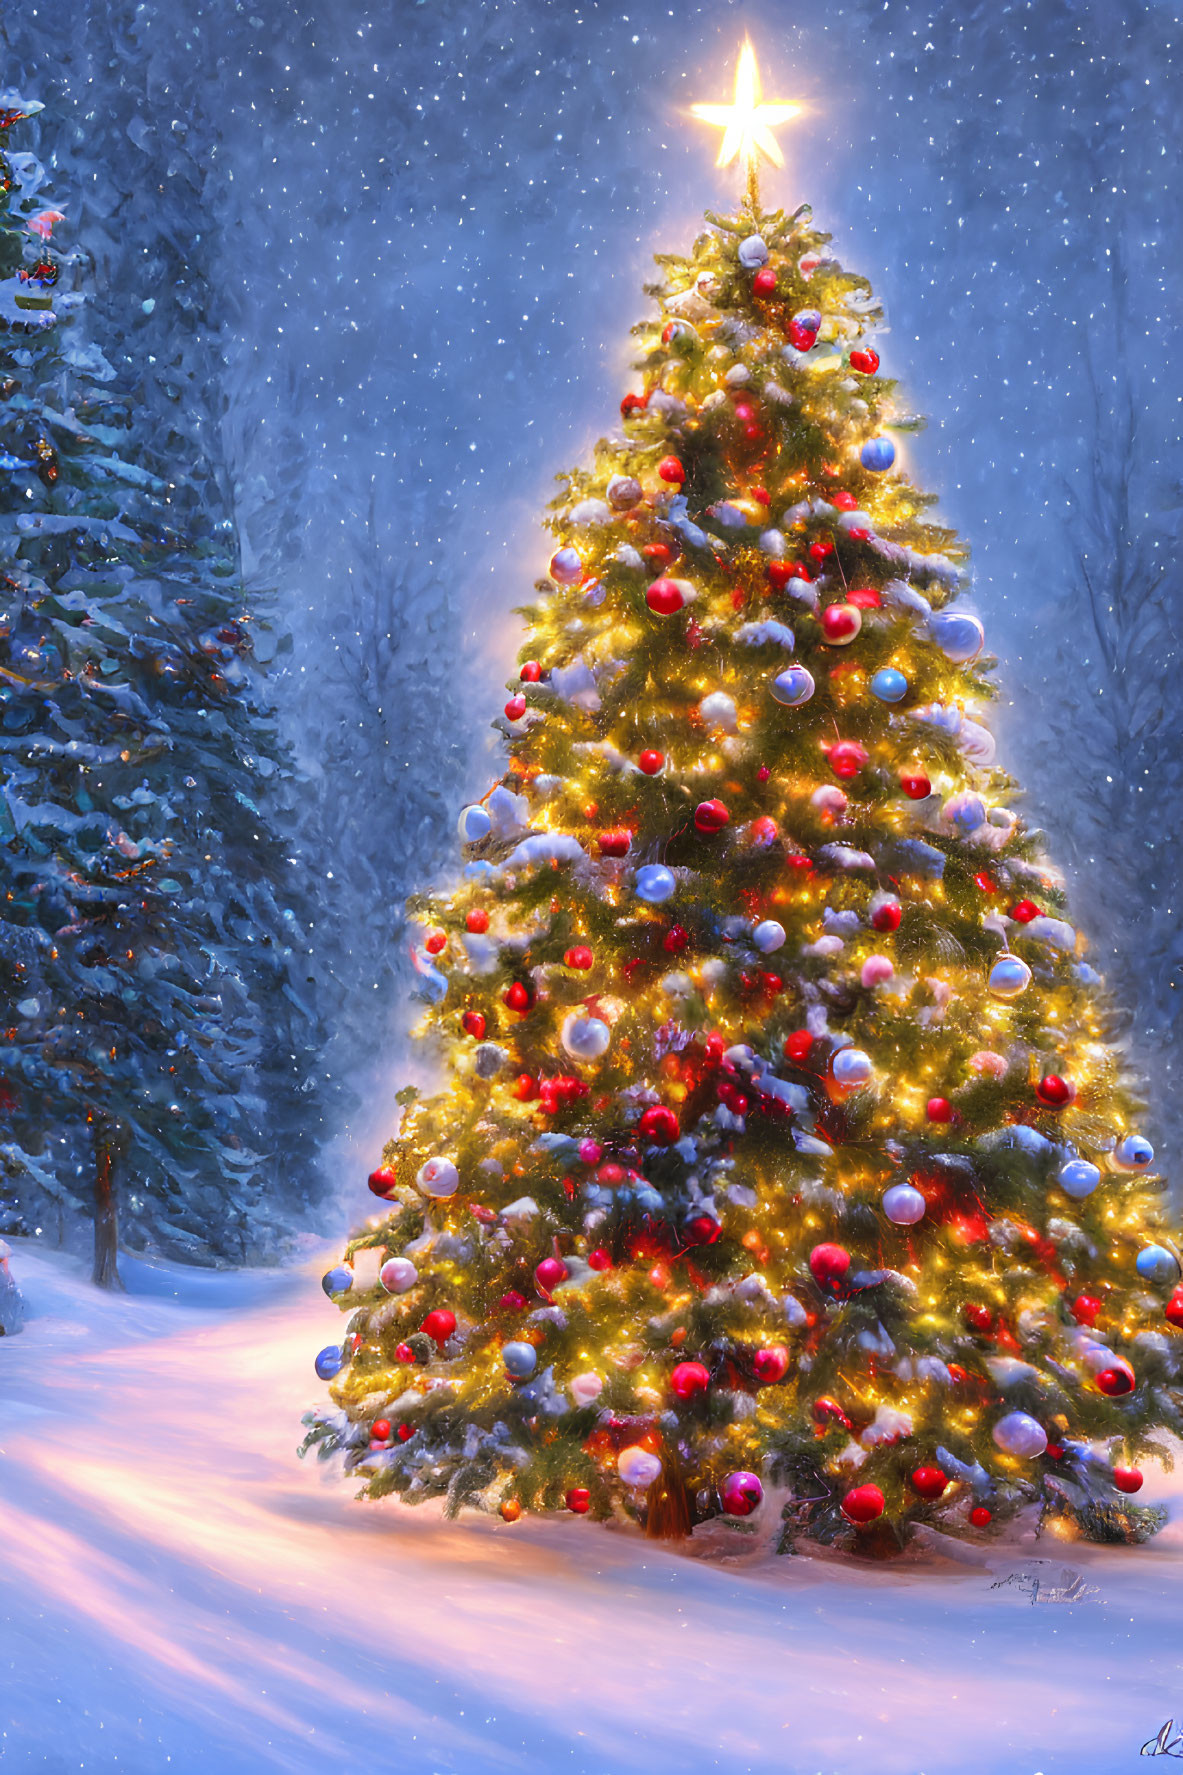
[[579, 957], [865, 362], [435, 941], [631, 403], [1173, 1310], [863, 597], [473, 1023], [779, 573], [863, 1504], [477, 921], [771, 1364], [579, 1500], [658, 553], [798, 1046], [847, 758], [403, 1353], [980, 1516], [828, 1264], [659, 1124], [764, 282], [599, 1259], [844, 502], [820, 551], [380, 1431], [703, 1229], [689, 1379], [664, 597], [978, 1318], [1127, 1479], [549, 1273], [840, 622], [1024, 911], [744, 412], [405, 1432], [675, 940], [524, 1087], [711, 816], [915, 785], [827, 1411], [930, 1482], [651, 762], [1115, 1382], [939, 1109], [439, 1325], [616, 843], [886, 917], [531, 672], [517, 997], [1085, 1309], [671, 470], [1054, 1091], [382, 1181], [512, 1302], [763, 830], [515, 708], [801, 338]]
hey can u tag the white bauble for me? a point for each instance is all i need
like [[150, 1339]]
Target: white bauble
[[1078, 1179], [1009, 977], [718, 711], [851, 1067], [752, 252], [637, 1467], [397, 1275], [585, 1389], [1018, 1434], [903, 1205], [438, 1177], [655, 883], [585, 1038], [1133, 1154], [768, 935]]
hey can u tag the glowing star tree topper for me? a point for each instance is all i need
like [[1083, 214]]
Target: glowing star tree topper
[[747, 123]]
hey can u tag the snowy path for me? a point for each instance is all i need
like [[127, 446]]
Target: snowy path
[[181, 1594]]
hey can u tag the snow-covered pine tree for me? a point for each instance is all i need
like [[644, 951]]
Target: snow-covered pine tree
[[780, 1135], [158, 1054]]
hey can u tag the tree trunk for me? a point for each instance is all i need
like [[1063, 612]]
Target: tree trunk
[[106, 1226]]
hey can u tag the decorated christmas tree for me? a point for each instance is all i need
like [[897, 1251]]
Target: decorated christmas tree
[[780, 1140], [158, 1045]]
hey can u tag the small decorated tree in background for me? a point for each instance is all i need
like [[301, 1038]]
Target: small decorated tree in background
[[780, 1138], [156, 1048]]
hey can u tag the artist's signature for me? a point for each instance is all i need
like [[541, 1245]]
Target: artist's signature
[[1169, 1743]]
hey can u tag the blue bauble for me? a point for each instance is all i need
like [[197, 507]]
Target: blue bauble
[[889, 685], [330, 1362], [793, 687], [473, 824], [877, 454], [966, 811], [959, 635], [520, 1359], [1078, 1179], [1133, 1154], [655, 883], [1155, 1263], [1009, 977], [338, 1281]]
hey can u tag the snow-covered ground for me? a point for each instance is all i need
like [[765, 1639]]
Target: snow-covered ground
[[181, 1593]]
